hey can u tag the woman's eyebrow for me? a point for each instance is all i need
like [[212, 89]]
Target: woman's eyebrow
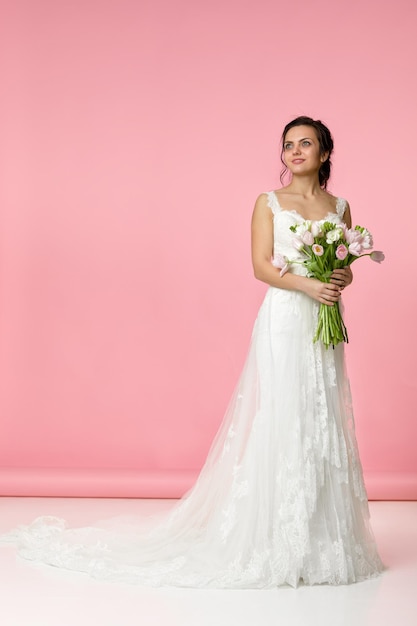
[[303, 139]]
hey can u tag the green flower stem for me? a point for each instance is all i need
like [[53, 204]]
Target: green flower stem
[[331, 329]]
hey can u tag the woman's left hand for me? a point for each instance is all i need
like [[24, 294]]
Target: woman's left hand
[[342, 277]]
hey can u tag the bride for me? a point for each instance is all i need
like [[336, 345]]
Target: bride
[[281, 498]]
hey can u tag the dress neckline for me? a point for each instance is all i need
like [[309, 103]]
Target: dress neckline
[[305, 219]]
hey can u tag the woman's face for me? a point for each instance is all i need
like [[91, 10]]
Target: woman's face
[[301, 151]]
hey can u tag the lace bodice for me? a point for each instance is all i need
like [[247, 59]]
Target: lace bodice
[[283, 219]]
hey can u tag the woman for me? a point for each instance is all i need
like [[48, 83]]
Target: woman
[[280, 499]]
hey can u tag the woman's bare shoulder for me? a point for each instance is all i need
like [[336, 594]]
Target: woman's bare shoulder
[[262, 209], [262, 201]]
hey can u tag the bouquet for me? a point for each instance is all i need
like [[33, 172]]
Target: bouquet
[[327, 246]]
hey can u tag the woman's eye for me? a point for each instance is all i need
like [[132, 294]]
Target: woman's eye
[[306, 143], [287, 146]]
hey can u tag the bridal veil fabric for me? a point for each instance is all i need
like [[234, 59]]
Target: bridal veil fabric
[[280, 499]]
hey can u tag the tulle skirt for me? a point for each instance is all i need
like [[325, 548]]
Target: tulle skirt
[[280, 499]]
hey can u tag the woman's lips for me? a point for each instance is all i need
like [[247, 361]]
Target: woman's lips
[[297, 161]]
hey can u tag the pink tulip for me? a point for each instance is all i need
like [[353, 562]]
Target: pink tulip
[[352, 236], [345, 230], [308, 238], [367, 240], [341, 252], [316, 230], [278, 260], [298, 243], [281, 263], [377, 256], [356, 248], [317, 249], [284, 270]]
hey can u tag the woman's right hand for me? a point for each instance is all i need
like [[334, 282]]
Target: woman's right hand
[[325, 293]]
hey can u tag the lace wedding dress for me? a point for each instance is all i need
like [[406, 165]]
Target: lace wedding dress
[[281, 497]]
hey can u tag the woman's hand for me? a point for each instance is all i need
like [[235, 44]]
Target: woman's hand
[[342, 277], [325, 293]]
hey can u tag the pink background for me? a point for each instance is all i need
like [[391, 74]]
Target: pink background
[[135, 139]]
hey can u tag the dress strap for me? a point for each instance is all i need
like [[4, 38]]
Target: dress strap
[[341, 204], [273, 202]]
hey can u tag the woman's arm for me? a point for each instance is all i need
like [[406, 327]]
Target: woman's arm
[[262, 251]]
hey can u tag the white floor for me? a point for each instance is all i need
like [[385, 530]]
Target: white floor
[[42, 596]]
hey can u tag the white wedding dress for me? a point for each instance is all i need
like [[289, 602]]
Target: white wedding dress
[[281, 497]]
